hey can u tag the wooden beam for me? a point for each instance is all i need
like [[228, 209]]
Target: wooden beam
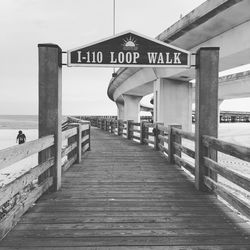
[[79, 143], [171, 139], [50, 105], [206, 104]]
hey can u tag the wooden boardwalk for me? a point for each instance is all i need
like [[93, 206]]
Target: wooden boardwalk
[[126, 196]]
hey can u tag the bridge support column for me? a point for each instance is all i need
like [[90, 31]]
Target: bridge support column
[[173, 102], [120, 111], [132, 107], [50, 107]]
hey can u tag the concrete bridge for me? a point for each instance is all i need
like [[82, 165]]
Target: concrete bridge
[[220, 23]]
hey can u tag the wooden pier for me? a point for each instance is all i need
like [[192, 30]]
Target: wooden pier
[[125, 195]]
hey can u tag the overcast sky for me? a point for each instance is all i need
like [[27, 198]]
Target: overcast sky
[[70, 24]]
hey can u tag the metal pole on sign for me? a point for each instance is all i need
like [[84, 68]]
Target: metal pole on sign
[[114, 74]]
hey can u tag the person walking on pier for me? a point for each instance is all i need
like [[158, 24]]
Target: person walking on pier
[[21, 138]]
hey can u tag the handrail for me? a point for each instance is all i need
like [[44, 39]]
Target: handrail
[[14, 154], [237, 151], [240, 180], [17, 196], [9, 191], [187, 135]]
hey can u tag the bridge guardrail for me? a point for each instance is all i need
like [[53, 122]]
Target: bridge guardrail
[[171, 142], [18, 195]]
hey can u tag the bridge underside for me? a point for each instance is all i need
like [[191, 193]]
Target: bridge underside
[[125, 196]]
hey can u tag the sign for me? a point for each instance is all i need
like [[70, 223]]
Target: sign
[[129, 49]]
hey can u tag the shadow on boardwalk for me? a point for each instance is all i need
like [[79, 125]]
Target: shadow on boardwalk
[[125, 195]]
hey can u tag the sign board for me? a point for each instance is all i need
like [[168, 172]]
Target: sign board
[[129, 49]]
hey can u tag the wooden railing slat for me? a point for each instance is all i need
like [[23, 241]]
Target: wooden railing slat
[[14, 154], [232, 149], [240, 180], [11, 219], [163, 138], [162, 128], [85, 148], [85, 138], [229, 197], [12, 188], [85, 127], [69, 133], [69, 148], [188, 135], [184, 149], [149, 125], [135, 130], [148, 141], [183, 163], [162, 148], [69, 163], [136, 137], [135, 123]]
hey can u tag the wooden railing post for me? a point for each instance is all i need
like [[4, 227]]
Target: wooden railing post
[[173, 138], [71, 140], [50, 107], [79, 143], [111, 126], [206, 104], [156, 133], [119, 127], [142, 134], [129, 125], [89, 137], [106, 125], [102, 124]]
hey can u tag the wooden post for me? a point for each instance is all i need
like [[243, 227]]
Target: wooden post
[[71, 140], [50, 105], [89, 137], [142, 134], [102, 124], [108, 125], [129, 125], [118, 127], [112, 123], [105, 125], [206, 104], [79, 143], [162, 133], [172, 138], [156, 133]]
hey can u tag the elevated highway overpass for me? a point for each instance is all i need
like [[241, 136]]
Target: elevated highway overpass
[[219, 23], [231, 86]]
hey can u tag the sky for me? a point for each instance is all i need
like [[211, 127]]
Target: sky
[[71, 24]]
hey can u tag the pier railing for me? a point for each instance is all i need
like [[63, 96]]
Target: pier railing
[[238, 188], [178, 146], [21, 192]]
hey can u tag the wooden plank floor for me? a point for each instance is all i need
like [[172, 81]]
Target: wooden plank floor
[[126, 196]]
